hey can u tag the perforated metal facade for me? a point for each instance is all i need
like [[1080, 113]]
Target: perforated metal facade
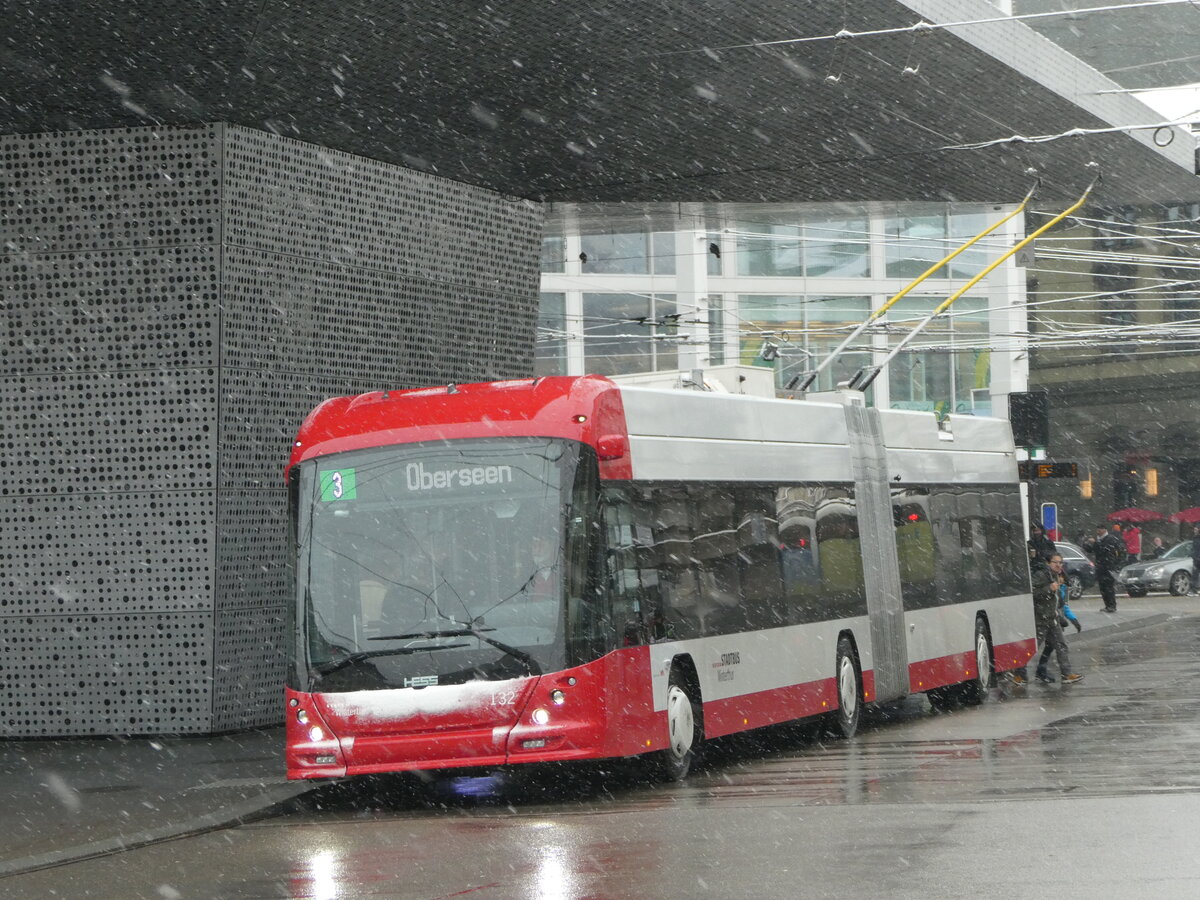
[[174, 301]]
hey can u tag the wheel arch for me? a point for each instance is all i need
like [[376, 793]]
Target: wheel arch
[[981, 615], [848, 634]]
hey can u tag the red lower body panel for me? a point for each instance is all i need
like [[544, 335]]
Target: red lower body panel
[[771, 707], [604, 709], [958, 667]]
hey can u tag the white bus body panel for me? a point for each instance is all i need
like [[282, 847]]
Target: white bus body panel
[[782, 657], [699, 436]]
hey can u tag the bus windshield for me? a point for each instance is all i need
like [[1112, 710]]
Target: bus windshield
[[432, 563]]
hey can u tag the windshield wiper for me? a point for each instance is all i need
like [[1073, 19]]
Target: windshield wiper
[[475, 631], [334, 665]]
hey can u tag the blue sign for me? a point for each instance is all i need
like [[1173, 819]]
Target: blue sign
[[1050, 520]]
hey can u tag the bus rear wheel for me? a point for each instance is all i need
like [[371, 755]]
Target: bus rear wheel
[[848, 681], [683, 732], [973, 691]]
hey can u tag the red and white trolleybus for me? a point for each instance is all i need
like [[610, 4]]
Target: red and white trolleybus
[[569, 568]]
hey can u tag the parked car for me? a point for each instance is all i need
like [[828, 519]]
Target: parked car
[[1080, 571], [1170, 572]]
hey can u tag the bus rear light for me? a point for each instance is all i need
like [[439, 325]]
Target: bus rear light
[[612, 446], [540, 716], [558, 698]]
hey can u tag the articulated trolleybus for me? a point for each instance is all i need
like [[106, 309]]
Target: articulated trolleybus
[[567, 568]]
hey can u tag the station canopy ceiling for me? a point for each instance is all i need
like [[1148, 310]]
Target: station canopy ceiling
[[626, 100]]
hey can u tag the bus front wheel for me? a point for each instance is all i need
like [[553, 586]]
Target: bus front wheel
[[683, 731]]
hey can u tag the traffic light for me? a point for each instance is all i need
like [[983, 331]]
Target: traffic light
[[1029, 413]]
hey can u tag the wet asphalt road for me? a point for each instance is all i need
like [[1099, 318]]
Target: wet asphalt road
[[1091, 790]]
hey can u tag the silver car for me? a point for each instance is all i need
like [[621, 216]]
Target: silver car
[[1170, 572]]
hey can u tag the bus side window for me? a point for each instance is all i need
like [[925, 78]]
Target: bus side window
[[590, 632], [623, 566], [916, 550], [760, 560]]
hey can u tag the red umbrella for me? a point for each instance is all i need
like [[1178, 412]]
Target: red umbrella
[[1135, 515], [1191, 516]]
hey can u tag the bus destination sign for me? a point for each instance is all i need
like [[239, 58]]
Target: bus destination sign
[[1032, 469]]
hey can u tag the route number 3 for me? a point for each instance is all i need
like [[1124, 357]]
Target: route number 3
[[338, 484]]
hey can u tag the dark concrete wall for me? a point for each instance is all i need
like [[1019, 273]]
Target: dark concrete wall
[[174, 301]]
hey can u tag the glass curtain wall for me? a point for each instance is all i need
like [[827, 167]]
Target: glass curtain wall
[[946, 368], [627, 333], [829, 248], [802, 331], [628, 253], [795, 280], [550, 344]]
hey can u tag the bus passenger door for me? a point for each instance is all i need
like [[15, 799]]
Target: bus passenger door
[[889, 646]]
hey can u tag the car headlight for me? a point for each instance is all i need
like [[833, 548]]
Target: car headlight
[[1155, 571]]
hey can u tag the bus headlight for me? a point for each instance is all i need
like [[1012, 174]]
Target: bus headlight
[[540, 716], [316, 733], [558, 698], [302, 716]]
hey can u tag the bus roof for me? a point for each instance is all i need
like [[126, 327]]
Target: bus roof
[[654, 433], [582, 408]]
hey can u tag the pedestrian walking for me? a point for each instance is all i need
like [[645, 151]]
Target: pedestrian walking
[[1108, 550], [1047, 578], [1133, 543], [1039, 543]]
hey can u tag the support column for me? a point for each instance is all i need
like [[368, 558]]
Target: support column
[[691, 280]]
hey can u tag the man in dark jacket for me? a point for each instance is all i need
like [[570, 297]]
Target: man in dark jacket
[[1039, 544], [1109, 552], [1046, 577]]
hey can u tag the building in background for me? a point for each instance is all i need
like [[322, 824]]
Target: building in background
[[677, 287], [1114, 306]]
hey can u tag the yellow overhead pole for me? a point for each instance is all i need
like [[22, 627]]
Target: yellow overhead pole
[[803, 382], [861, 383]]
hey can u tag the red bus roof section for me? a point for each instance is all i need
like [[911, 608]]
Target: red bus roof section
[[584, 408]]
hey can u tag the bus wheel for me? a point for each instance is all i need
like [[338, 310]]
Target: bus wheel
[[683, 733], [849, 689], [974, 691]]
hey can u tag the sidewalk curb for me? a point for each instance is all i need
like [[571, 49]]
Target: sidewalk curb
[[1118, 627], [236, 814]]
